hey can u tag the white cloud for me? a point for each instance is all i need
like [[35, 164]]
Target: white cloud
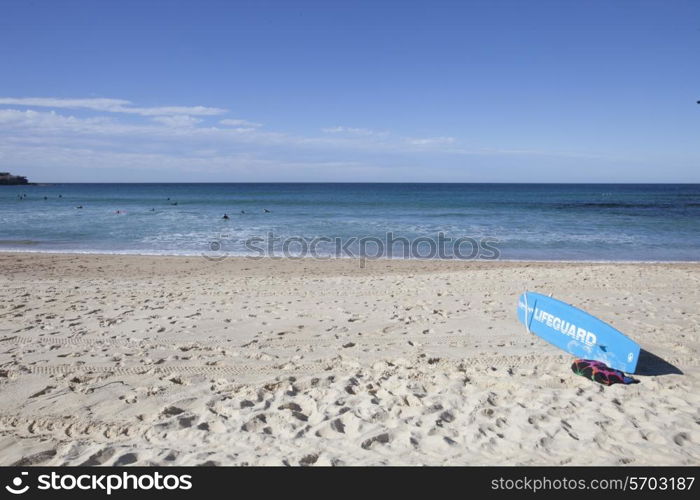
[[177, 120], [230, 122], [432, 141], [110, 106], [348, 130]]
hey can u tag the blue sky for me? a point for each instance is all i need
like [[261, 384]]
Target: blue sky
[[468, 91]]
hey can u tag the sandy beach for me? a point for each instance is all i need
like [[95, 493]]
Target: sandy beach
[[117, 360]]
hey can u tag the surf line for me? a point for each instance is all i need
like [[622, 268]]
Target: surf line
[[565, 327]]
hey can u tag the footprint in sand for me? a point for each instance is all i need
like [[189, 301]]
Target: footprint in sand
[[126, 459], [681, 438], [99, 458], [383, 438], [36, 459]]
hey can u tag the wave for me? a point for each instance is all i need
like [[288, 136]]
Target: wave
[[238, 255], [568, 206], [19, 242]]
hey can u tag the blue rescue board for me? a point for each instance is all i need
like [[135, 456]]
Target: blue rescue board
[[577, 332]]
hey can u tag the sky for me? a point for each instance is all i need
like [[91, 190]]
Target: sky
[[351, 91]]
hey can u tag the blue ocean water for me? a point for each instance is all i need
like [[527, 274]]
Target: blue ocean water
[[619, 222]]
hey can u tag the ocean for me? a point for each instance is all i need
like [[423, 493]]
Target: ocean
[[594, 222]]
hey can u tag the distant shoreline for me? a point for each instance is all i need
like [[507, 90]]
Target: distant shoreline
[[238, 257]]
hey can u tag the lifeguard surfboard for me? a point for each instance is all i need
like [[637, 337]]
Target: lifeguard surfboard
[[577, 332]]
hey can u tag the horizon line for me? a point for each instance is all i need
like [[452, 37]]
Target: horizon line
[[44, 183]]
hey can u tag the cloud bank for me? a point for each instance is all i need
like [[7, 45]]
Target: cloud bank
[[54, 139], [109, 105]]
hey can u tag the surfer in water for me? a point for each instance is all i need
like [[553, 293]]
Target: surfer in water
[[225, 217], [242, 212], [266, 211]]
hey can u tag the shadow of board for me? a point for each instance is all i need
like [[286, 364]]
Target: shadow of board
[[651, 364]]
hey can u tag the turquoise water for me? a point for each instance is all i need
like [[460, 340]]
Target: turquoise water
[[521, 221]]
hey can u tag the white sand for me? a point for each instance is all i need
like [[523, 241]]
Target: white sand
[[172, 360]]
